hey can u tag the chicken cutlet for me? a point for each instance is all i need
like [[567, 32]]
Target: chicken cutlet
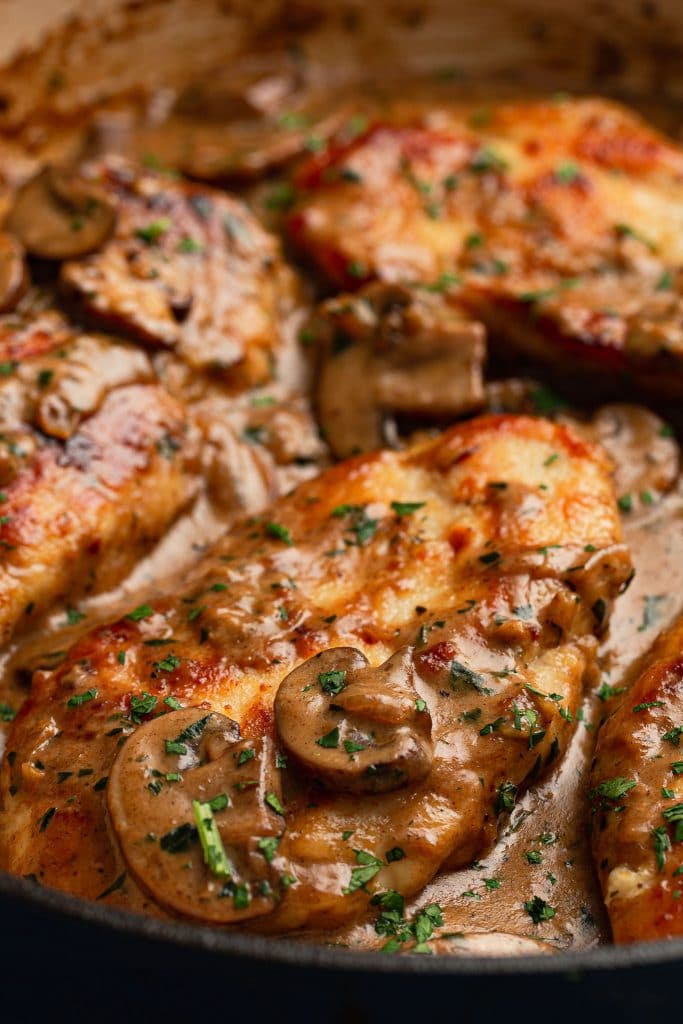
[[185, 268], [96, 461], [636, 798], [556, 223], [346, 697]]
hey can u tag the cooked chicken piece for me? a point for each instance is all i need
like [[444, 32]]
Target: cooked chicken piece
[[637, 799], [191, 273], [436, 609], [391, 351], [643, 447], [96, 461], [188, 269], [559, 224]]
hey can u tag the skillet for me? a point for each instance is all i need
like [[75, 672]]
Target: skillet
[[629, 50]]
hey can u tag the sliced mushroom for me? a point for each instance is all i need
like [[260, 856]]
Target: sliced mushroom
[[58, 215], [356, 728], [198, 816], [393, 351], [230, 137], [644, 453], [13, 276]]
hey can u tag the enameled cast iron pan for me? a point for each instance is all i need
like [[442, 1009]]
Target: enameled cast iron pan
[[58, 953]]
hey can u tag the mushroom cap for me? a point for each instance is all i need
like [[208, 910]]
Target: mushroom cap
[[196, 812], [13, 275], [58, 215], [355, 728], [394, 351]]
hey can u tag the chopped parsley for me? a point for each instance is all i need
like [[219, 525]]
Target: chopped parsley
[[47, 818], [567, 173], [330, 739], [151, 233], [81, 698], [7, 714], [73, 616], [461, 675], [273, 801], [267, 846], [143, 611], [115, 885], [673, 736], [369, 866], [505, 797], [661, 844], [406, 508], [538, 910], [652, 612], [646, 705], [215, 856], [142, 705], [168, 664], [179, 839], [333, 682], [614, 789], [280, 532]]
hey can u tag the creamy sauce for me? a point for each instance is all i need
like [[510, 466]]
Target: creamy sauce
[[550, 822], [544, 849]]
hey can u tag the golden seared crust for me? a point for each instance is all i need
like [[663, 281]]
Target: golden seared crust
[[96, 461], [489, 556], [562, 221], [637, 799], [188, 269]]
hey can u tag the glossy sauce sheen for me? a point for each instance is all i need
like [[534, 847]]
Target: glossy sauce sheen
[[550, 820]]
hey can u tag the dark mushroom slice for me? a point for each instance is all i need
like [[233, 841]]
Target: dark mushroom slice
[[221, 134], [198, 815], [58, 215], [394, 351], [353, 727], [13, 275]]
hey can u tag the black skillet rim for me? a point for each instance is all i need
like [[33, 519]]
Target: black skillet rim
[[259, 948]]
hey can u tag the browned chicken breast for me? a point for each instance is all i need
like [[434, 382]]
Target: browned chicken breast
[[637, 799], [179, 267], [238, 445], [347, 696], [96, 461], [558, 223]]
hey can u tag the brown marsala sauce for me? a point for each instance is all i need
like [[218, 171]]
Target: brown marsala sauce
[[551, 821], [543, 850]]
